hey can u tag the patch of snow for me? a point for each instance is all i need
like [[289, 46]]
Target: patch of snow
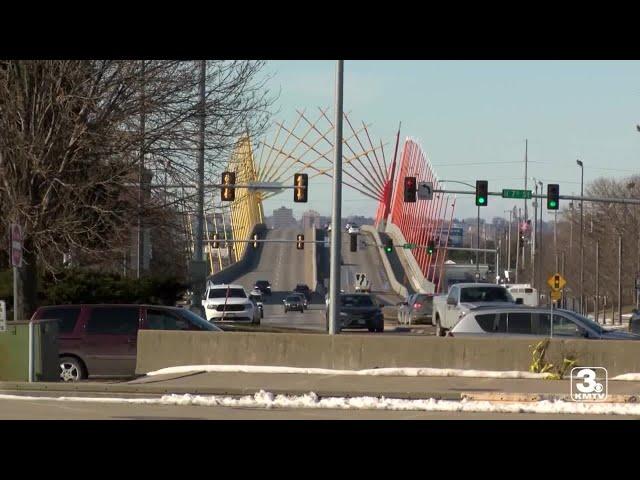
[[631, 377], [267, 400], [400, 372]]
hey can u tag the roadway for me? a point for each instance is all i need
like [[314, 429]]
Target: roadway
[[63, 410], [368, 261], [284, 266]]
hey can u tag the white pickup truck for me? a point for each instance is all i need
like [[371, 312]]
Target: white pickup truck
[[462, 297]]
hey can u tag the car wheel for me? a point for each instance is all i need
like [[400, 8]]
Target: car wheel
[[71, 369], [380, 330]]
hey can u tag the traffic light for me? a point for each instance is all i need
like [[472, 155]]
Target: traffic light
[[553, 196], [300, 240], [556, 282], [354, 242], [228, 193], [482, 193], [216, 243], [301, 183], [431, 246], [388, 246], [255, 238], [410, 189]]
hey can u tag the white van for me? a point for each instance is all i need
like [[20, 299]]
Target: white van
[[524, 291]]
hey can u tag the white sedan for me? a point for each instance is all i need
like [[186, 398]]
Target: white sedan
[[354, 229]]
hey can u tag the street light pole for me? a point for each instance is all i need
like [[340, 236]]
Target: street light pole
[[336, 230], [581, 165]]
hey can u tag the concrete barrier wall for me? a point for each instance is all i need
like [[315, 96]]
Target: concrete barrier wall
[[160, 349], [413, 270], [396, 286], [248, 261]]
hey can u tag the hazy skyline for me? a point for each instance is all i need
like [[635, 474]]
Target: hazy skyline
[[472, 119]]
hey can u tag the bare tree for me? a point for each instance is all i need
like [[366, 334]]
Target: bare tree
[[70, 143]]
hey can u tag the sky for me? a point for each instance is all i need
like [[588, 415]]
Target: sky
[[472, 118]]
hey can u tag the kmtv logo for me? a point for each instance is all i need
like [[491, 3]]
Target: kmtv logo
[[589, 384]]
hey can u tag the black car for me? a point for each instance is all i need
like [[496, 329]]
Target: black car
[[293, 303], [359, 310], [264, 286], [304, 289]]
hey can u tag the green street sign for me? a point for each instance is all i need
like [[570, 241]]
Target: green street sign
[[510, 193], [409, 246]]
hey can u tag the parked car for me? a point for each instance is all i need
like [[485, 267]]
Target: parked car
[[304, 289], [417, 308], [462, 297], [229, 303], [305, 303], [264, 286], [527, 321], [359, 310], [101, 340], [293, 303]]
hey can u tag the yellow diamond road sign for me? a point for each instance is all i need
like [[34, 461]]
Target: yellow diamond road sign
[[556, 295], [556, 282]]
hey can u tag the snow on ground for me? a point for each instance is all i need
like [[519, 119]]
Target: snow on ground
[[268, 400], [401, 372], [631, 377]]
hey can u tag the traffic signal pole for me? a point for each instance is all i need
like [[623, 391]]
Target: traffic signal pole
[[334, 278]]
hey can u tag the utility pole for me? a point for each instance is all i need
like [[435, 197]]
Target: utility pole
[[518, 246], [196, 298], [619, 279], [478, 246], [597, 302], [581, 165], [526, 214], [140, 238], [539, 244], [336, 230], [555, 237], [534, 236], [509, 240]]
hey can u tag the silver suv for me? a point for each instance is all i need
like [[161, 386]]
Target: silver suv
[[229, 303], [523, 321]]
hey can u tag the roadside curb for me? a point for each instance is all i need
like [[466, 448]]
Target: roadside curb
[[538, 397], [155, 391]]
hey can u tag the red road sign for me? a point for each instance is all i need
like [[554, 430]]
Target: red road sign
[[16, 245]]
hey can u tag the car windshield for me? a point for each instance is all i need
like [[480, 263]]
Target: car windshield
[[196, 320], [293, 298], [222, 293], [257, 298], [262, 283], [485, 294], [587, 321], [356, 301], [302, 287]]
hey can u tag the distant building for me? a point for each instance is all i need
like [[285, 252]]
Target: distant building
[[283, 218], [311, 219]]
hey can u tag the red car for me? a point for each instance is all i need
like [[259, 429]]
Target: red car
[[101, 340]]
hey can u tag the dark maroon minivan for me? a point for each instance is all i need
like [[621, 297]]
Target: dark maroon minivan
[[101, 340]]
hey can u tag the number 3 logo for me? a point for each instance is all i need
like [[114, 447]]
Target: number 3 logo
[[589, 384]]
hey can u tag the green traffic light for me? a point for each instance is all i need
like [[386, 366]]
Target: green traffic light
[[480, 199], [552, 204]]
